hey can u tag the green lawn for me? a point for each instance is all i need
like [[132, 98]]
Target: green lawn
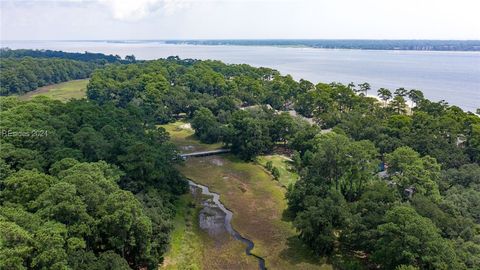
[[183, 136], [287, 175], [65, 91]]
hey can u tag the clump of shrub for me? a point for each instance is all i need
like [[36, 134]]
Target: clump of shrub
[[273, 170]]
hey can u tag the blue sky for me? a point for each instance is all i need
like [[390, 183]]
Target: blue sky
[[229, 19]]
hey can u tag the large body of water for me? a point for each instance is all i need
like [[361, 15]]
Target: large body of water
[[450, 76]]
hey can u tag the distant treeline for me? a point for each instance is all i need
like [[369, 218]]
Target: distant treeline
[[86, 57], [414, 45], [22, 71]]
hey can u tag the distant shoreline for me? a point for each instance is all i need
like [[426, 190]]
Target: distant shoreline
[[395, 45], [334, 44]]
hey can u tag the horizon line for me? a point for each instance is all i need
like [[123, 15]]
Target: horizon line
[[276, 39]]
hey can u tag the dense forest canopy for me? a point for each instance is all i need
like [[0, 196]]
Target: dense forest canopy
[[421, 213], [22, 71], [83, 186]]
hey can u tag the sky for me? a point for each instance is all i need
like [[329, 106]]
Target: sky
[[238, 19]]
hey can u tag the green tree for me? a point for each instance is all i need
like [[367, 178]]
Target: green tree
[[16, 246], [473, 143], [50, 247], [384, 94], [398, 105], [401, 92], [351, 86], [406, 238], [467, 176], [250, 136], [342, 164], [206, 126], [275, 173], [24, 186], [269, 165], [406, 267], [317, 224], [367, 213], [410, 171], [62, 203], [91, 143], [364, 88], [125, 226], [416, 96]]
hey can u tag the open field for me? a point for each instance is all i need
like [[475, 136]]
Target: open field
[[183, 136], [282, 163], [65, 91]]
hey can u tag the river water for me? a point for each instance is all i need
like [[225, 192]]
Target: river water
[[450, 76]]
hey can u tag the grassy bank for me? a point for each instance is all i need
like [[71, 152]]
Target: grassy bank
[[283, 164], [75, 89], [185, 250], [258, 203]]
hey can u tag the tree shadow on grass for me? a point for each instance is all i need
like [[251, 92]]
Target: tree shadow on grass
[[287, 216], [297, 252]]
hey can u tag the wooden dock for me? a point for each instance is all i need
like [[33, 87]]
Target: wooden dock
[[205, 153]]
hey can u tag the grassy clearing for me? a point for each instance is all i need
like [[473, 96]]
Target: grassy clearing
[[182, 135], [287, 175], [185, 244], [75, 89], [258, 203]]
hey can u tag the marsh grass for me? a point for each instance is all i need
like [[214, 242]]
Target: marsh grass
[[258, 204]]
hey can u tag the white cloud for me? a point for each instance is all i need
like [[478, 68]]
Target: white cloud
[[203, 19], [170, 6], [131, 10], [124, 10]]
